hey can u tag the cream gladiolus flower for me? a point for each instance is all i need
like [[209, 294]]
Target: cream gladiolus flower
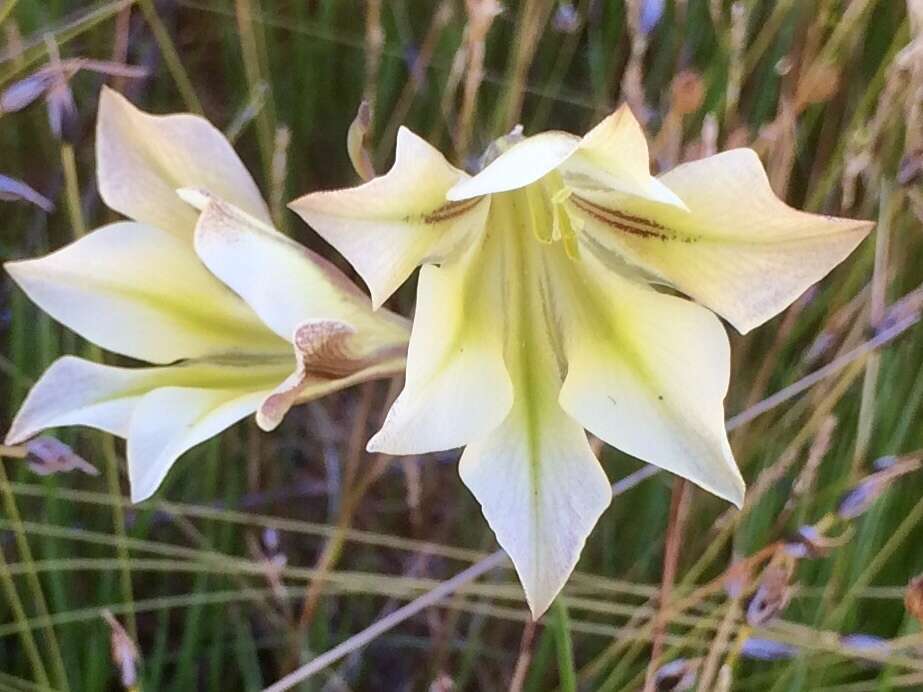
[[239, 318], [546, 306]]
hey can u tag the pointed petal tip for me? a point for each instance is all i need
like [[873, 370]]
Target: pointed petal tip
[[265, 423], [457, 193], [735, 492], [108, 97], [137, 494], [13, 437], [864, 226], [298, 202], [659, 192], [373, 446], [15, 268], [377, 298], [194, 197], [538, 607], [26, 272], [737, 499]]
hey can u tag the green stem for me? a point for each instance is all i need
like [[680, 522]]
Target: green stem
[[171, 56], [21, 619], [35, 585], [107, 446], [564, 646]]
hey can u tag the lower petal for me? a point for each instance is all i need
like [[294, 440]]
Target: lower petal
[[541, 490], [457, 386], [171, 420], [162, 411], [648, 373], [73, 391]]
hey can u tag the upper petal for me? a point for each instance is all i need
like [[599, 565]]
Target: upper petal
[[287, 284], [738, 250], [648, 373], [392, 224], [142, 159], [457, 387], [171, 420], [523, 163], [74, 391], [612, 156], [141, 291]]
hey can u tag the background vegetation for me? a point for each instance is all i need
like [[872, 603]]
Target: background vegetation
[[261, 552]]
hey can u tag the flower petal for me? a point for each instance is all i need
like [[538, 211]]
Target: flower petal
[[171, 420], [457, 387], [523, 163], [74, 391], [325, 361], [648, 373], [392, 224], [142, 292], [142, 159], [614, 155], [611, 156], [541, 490], [287, 284], [739, 250]]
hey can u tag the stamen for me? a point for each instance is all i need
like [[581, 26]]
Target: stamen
[[537, 214], [566, 225]]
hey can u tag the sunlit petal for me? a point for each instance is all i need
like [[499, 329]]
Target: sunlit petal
[[648, 373], [142, 159], [286, 284], [170, 420], [390, 225], [140, 291], [457, 386], [739, 250]]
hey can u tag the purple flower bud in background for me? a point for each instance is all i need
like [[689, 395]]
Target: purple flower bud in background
[[566, 19], [865, 642], [62, 113], [885, 462], [861, 497], [13, 190], [677, 675], [20, 94], [651, 12], [767, 650]]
